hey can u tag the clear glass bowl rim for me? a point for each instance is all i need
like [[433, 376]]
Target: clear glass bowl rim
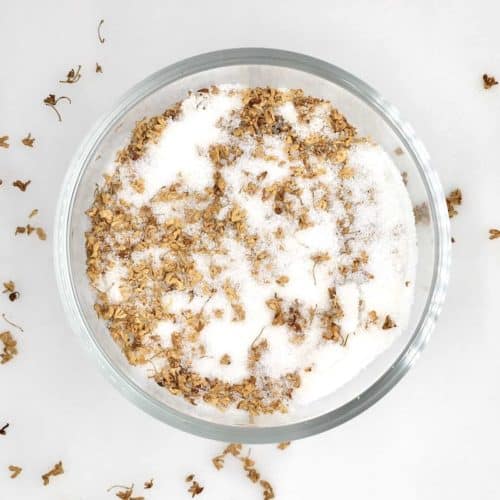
[[437, 209]]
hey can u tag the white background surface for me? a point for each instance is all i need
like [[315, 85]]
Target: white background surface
[[436, 435]]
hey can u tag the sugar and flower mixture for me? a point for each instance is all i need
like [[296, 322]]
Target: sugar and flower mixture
[[252, 248]]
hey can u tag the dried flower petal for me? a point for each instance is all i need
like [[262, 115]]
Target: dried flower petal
[[3, 431], [15, 471], [9, 347], [489, 81], [454, 199], [55, 471], [98, 68], [33, 213], [28, 141], [148, 484], [283, 445], [72, 76], [21, 185], [388, 323], [494, 234], [4, 141]]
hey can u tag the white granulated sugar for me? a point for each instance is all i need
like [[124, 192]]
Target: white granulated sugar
[[354, 250]]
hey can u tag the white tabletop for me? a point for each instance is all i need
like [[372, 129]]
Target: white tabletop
[[436, 435]]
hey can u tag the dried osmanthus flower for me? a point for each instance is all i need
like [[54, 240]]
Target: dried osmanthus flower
[[494, 234], [453, 200], [21, 185], [51, 101], [98, 68], [3, 429], [15, 471], [4, 141], [195, 488], [55, 471], [388, 323], [148, 484], [489, 81], [72, 76], [9, 347], [283, 445], [10, 288], [28, 141]]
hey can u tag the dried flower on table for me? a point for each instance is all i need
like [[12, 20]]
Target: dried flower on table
[[51, 101], [195, 488], [454, 199], [225, 359], [21, 185], [15, 471], [268, 491], [55, 471], [148, 484], [4, 141], [33, 213], [126, 493], [10, 288], [98, 68], [489, 81], [72, 76], [41, 233], [283, 445], [9, 347], [28, 229], [398, 151], [388, 323], [11, 323], [28, 141], [218, 462], [3, 430], [404, 176], [99, 35], [494, 234]]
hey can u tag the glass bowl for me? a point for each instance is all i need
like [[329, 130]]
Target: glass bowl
[[363, 107]]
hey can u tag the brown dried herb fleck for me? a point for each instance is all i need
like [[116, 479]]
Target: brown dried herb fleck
[[148, 484], [10, 288], [51, 101], [489, 81], [33, 213], [399, 151], [388, 323], [21, 185], [15, 471], [3, 430], [4, 141], [98, 68], [9, 347], [55, 471], [283, 445], [494, 234], [453, 200], [28, 141], [72, 76], [421, 213]]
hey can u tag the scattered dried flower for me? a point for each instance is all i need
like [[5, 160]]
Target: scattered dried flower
[[148, 484], [9, 347], [225, 359], [268, 491], [3, 431], [21, 185], [28, 140], [489, 81], [98, 68], [41, 233], [55, 471], [10, 288], [398, 151], [454, 199], [126, 493], [51, 101], [4, 141], [15, 471], [421, 213], [33, 213], [195, 489], [283, 445], [388, 323], [494, 234], [99, 35], [72, 76], [404, 176]]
